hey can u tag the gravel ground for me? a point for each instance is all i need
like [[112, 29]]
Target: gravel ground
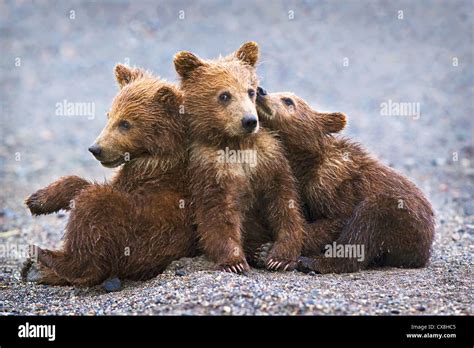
[[48, 57]]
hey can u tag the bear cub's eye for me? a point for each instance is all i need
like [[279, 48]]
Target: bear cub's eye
[[224, 97], [125, 125], [251, 93], [288, 102]]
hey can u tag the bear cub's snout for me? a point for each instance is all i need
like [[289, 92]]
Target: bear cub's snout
[[96, 150], [261, 92], [250, 123]]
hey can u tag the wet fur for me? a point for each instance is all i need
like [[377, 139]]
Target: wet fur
[[133, 226], [226, 195], [351, 197]]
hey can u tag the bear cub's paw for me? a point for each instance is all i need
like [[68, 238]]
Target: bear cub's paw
[[30, 271], [279, 259], [307, 264], [36, 203], [258, 258]]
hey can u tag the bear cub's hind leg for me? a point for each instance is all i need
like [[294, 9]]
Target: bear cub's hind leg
[[56, 196]]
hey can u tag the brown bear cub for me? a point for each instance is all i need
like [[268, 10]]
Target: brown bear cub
[[238, 170], [135, 225], [352, 198]]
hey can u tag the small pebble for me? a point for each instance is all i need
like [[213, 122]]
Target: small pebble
[[437, 162], [180, 273], [112, 285]]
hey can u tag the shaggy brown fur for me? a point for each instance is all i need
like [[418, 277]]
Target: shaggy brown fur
[[134, 226], [219, 100], [57, 196], [352, 198]]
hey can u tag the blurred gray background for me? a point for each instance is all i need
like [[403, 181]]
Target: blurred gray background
[[53, 51], [303, 49]]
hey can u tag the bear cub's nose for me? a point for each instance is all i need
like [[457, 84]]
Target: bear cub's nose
[[261, 91], [249, 123], [95, 150]]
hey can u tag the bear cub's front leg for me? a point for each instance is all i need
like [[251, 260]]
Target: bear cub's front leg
[[282, 208], [218, 214]]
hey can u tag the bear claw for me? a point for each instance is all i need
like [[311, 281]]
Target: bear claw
[[284, 265], [240, 268]]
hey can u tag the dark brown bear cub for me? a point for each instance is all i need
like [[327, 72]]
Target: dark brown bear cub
[[237, 170], [354, 200], [134, 226]]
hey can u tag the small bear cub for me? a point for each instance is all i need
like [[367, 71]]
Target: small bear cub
[[351, 198], [229, 186], [133, 226]]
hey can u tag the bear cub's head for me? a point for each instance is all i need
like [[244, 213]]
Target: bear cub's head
[[143, 120], [284, 111], [220, 95]]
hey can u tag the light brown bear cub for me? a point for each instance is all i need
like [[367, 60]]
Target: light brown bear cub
[[135, 225], [353, 199], [238, 170]]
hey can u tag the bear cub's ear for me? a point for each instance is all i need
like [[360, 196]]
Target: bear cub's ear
[[248, 53], [185, 62], [124, 74], [169, 97], [333, 122]]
